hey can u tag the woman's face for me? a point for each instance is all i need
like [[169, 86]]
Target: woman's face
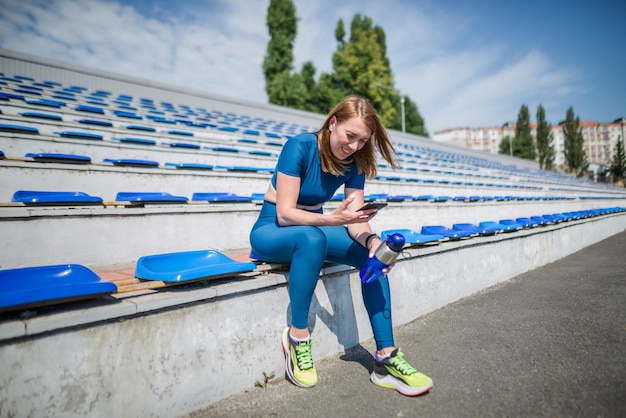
[[348, 137]]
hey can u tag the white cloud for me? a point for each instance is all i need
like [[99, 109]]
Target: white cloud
[[219, 47]]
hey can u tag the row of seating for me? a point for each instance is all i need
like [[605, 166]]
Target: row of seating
[[43, 197], [29, 287]]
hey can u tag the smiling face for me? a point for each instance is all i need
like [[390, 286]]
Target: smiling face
[[348, 137]]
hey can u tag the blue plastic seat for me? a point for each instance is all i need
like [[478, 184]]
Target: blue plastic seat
[[412, 237], [527, 222], [425, 198], [80, 135], [96, 122], [401, 198], [179, 132], [225, 149], [181, 145], [228, 129], [20, 129], [445, 231], [149, 197], [512, 222], [220, 197], [189, 265], [494, 224], [141, 128], [90, 109], [131, 162], [37, 286], [478, 230], [52, 197], [46, 102], [47, 157], [134, 140], [190, 166], [39, 115]]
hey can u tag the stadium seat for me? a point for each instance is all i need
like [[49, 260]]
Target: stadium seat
[[135, 140], [131, 162], [478, 230], [190, 166], [79, 135], [39, 115], [189, 265], [502, 227], [412, 237], [54, 197], [445, 231], [90, 109], [181, 145], [220, 197], [149, 197], [44, 157], [96, 122], [20, 129], [141, 128], [45, 102], [36, 286]]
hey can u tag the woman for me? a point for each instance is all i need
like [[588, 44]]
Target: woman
[[292, 228]]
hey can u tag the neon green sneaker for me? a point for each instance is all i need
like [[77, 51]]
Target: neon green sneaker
[[299, 365], [395, 372]]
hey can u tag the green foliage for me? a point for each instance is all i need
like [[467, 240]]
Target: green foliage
[[523, 144], [360, 67], [267, 378], [505, 145], [618, 162], [573, 151], [278, 62], [545, 147]]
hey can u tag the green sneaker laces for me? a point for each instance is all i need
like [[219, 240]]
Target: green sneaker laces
[[401, 364], [303, 355]]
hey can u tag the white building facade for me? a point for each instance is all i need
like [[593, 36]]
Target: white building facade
[[599, 139]]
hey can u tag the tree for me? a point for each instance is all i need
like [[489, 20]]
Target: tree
[[278, 62], [617, 166], [523, 144], [573, 151], [545, 147], [505, 145]]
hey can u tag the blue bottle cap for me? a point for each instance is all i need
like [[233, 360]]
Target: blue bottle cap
[[395, 242]]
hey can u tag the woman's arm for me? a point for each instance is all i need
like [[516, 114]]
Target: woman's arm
[[287, 191]]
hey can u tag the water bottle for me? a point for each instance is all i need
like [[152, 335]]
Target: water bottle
[[385, 255]]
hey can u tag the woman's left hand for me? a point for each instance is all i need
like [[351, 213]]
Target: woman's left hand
[[376, 242]]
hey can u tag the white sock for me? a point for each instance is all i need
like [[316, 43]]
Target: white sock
[[297, 340]]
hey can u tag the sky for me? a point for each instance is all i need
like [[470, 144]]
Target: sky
[[463, 62]]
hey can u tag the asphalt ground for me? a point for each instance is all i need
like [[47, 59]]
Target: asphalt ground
[[548, 343]]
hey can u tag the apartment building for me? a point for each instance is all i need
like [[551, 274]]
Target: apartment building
[[599, 139]]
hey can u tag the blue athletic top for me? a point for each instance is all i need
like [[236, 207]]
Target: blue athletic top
[[300, 158]]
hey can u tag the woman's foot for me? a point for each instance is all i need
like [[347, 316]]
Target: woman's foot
[[299, 366], [395, 372]]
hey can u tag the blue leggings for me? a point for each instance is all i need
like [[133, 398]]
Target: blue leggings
[[306, 248]]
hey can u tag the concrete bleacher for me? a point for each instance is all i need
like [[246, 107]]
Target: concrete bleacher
[[159, 342]]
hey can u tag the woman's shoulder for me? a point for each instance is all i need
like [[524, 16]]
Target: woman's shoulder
[[304, 138]]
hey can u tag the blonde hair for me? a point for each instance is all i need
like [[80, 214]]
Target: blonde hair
[[365, 158]]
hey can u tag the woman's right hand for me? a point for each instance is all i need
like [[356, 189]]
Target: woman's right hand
[[345, 215]]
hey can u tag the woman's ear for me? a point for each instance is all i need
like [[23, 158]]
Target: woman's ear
[[332, 123]]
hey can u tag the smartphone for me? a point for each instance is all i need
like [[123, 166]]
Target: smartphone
[[373, 205]]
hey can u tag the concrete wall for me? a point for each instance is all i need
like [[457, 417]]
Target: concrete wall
[[171, 352]]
